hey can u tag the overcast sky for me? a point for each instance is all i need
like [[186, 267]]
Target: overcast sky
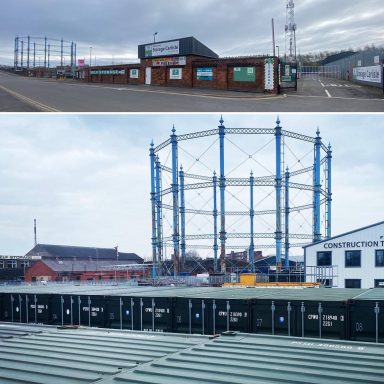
[[85, 178], [242, 27]]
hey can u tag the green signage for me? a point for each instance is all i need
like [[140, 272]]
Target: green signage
[[244, 74], [108, 72]]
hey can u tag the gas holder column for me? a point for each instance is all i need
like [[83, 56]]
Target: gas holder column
[[175, 192], [317, 187], [286, 210], [215, 214], [182, 217], [329, 191], [278, 233], [222, 197], [251, 219], [153, 205], [158, 202]]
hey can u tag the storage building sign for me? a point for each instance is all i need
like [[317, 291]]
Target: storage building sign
[[165, 61], [268, 77], [204, 73], [134, 73], [108, 72], [369, 74], [175, 73], [161, 49], [244, 74]]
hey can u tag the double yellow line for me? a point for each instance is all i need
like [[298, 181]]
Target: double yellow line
[[25, 99]]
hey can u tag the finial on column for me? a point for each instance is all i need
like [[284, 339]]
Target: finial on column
[[221, 121], [278, 121], [173, 129]]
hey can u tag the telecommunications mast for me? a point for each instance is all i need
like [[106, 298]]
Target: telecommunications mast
[[290, 33]]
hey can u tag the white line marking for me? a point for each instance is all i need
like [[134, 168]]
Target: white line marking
[[327, 92], [25, 99]]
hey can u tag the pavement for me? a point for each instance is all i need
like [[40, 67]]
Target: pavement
[[313, 95]]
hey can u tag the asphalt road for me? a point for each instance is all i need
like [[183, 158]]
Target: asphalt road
[[313, 95]]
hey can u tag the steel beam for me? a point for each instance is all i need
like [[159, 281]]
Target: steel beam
[[153, 204], [159, 224], [182, 217], [222, 197], [317, 189], [175, 192], [278, 233], [215, 214], [329, 191], [286, 214], [251, 220]]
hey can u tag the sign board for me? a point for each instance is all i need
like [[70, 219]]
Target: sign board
[[376, 60], [368, 74], [108, 72], [175, 73], [134, 73], [247, 74], [167, 61], [286, 78], [161, 49], [205, 73], [268, 75], [81, 62]]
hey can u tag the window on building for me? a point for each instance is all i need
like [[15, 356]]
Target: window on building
[[12, 264], [24, 264], [379, 283], [324, 258], [353, 258], [352, 283], [1, 264], [379, 258]]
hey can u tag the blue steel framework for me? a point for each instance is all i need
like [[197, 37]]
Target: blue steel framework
[[45, 47], [178, 188]]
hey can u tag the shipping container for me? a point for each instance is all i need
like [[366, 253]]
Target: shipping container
[[366, 316]]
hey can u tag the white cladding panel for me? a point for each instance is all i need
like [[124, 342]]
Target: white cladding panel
[[366, 240]]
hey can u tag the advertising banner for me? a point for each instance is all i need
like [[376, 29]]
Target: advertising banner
[[161, 49], [368, 74], [268, 77], [167, 61], [204, 73], [175, 73], [81, 62], [134, 73], [244, 74]]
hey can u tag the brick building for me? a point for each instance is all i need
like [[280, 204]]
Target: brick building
[[67, 263], [186, 62]]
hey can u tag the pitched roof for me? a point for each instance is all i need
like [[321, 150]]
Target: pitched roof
[[78, 265], [70, 251], [344, 234]]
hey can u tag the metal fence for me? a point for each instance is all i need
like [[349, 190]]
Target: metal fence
[[368, 58]]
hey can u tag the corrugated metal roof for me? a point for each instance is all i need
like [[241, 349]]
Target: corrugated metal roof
[[245, 359], [72, 356]]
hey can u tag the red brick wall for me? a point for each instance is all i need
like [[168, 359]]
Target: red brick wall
[[39, 269], [222, 74]]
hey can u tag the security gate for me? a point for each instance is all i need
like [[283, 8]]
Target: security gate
[[318, 72], [287, 76]]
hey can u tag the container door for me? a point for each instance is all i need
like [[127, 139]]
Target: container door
[[366, 320], [148, 75]]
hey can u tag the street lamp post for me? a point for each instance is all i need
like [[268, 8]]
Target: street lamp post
[[90, 56], [154, 37]]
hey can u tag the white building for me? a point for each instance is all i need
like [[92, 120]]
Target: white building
[[351, 260]]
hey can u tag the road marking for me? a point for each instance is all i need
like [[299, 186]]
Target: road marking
[[322, 84], [334, 97], [25, 99], [327, 92]]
